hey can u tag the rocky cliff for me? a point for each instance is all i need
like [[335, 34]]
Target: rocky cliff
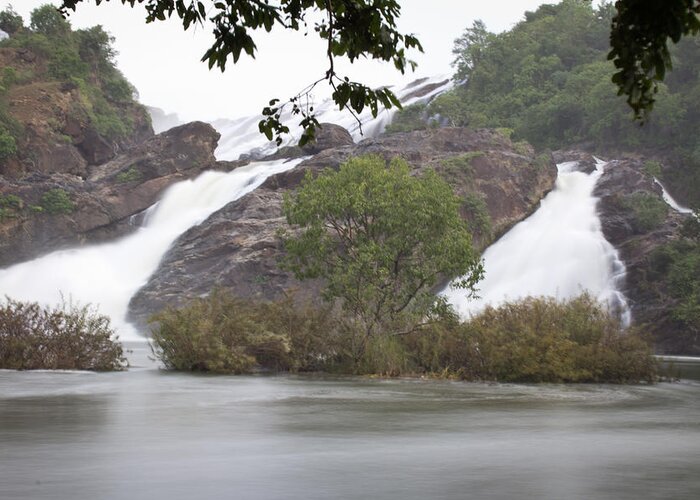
[[640, 224], [49, 211], [239, 247]]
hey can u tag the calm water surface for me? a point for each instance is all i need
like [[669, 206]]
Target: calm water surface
[[148, 434]]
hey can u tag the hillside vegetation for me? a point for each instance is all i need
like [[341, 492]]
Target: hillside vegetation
[[60, 88], [548, 79]]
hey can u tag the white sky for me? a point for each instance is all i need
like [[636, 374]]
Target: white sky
[[162, 60]]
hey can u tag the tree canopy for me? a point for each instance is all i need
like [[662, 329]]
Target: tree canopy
[[351, 28], [381, 239]]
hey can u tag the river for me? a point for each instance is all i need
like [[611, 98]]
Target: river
[[147, 433]]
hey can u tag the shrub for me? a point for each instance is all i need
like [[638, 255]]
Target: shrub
[[410, 118], [67, 337], [648, 211], [536, 340], [132, 174], [8, 145], [460, 165], [225, 334], [652, 168], [477, 213], [10, 21], [10, 204], [56, 201]]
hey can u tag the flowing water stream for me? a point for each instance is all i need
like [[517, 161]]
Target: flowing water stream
[[559, 251], [148, 434], [108, 275]]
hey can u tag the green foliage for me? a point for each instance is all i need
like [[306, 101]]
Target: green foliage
[[677, 264], [408, 119], [649, 211], [56, 201], [85, 59], [380, 239], [8, 144], [477, 215], [351, 29], [67, 337], [132, 174], [10, 205], [652, 169], [536, 340], [48, 21], [639, 39], [460, 165], [224, 334], [10, 21]]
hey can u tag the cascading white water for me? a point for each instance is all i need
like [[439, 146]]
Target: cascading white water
[[670, 201], [242, 135], [559, 251], [108, 275]]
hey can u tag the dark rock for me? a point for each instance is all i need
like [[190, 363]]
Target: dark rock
[[239, 247], [649, 300], [328, 136], [109, 197]]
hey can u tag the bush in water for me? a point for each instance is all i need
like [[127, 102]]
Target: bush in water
[[225, 334], [537, 340], [67, 337], [534, 340]]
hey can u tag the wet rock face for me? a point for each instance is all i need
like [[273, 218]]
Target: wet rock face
[[239, 247], [101, 205], [648, 297]]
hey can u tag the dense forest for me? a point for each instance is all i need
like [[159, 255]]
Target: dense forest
[[549, 81]]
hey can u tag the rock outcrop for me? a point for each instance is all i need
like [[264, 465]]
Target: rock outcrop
[[99, 206], [239, 247], [649, 299]]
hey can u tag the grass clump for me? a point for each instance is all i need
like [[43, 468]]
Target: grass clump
[[66, 337]]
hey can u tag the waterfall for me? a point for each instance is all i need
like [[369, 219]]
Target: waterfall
[[108, 275], [559, 251], [241, 136], [670, 201]]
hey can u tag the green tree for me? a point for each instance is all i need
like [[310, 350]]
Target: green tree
[[381, 239], [10, 21], [639, 40], [468, 49], [48, 21], [350, 28]]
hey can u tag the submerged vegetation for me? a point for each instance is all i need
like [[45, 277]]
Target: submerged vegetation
[[535, 340], [66, 337]]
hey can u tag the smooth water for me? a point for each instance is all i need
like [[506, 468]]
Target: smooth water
[[559, 251], [148, 434]]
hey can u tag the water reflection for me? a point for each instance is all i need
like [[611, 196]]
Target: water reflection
[[150, 434]]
